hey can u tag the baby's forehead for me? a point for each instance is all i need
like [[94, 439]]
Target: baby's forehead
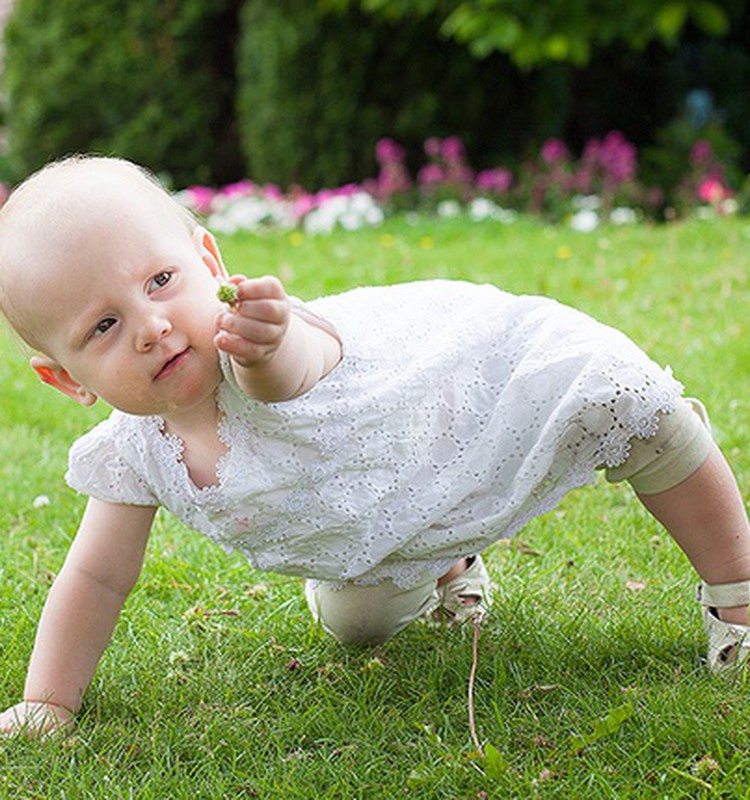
[[69, 193], [69, 206], [62, 205]]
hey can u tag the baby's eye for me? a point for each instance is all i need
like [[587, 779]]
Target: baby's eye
[[103, 326], [159, 280]]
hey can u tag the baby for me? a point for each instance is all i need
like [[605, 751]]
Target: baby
[[373, 442]]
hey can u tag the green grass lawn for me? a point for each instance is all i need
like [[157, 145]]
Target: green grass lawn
[[217, 685]]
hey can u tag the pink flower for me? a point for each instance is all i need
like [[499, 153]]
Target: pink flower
[[554, 150], [462, 175], [272, 192], [393, 178], [583, 180], [201, 198], [712, 191], [370, 185], [431, 174], [613, 159], [347, 190], [496, 180], [453, 149], [240, 189], [618, 157], [701, 153], [303, 205], [323, 196], [387, 151]]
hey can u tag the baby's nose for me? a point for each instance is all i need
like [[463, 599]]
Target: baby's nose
[[154, 328]]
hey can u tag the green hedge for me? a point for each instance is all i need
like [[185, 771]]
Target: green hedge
[[146, 80], [282, 92], [316, 91]]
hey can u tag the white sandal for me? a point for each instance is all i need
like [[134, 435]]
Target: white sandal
[[468, 595], [728, 643]]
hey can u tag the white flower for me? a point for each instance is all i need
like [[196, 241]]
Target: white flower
[[183, 197], [584, 221], [705, 212], [40, 501], [448, 208], [482, 208], [587, 202], [178, 657], [351, 212], [623, 216], [318, 222], [351, 221], [374, 215], [251, 214], [245, 214], [362, 202]]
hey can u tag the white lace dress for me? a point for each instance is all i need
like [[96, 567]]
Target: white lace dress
[[457, 413]]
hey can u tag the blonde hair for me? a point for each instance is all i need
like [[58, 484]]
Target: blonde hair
[[47, 199]]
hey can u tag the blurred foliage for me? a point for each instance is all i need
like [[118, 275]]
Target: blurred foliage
[[149, 81], [673, 162], [299, 92], [554, 30], [316, 91]]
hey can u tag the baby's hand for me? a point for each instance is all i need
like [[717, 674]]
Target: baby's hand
[[35, 720], [254, 327]]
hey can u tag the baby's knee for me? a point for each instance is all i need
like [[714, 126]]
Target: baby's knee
[[367, 615], [681, 444], [353, 630]]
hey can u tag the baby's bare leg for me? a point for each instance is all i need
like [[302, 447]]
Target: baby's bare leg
[[706, 516]]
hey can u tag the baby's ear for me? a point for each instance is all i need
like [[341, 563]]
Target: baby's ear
[[209, 252], [51, 372]]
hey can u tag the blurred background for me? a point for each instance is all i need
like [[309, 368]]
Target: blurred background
[[298, 93]]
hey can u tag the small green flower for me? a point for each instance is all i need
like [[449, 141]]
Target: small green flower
[[227, 293]]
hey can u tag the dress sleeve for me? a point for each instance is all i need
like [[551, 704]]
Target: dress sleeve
[[97, 468], [297, 307]]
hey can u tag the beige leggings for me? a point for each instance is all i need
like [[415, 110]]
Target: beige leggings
[[372, 614], [679, 447]]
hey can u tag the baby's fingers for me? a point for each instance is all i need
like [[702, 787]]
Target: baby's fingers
[[261, 299], [265, 326], [34, 720], [266, 288], [253, 328]]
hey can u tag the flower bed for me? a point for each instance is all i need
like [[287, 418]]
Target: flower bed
[[599, 186]]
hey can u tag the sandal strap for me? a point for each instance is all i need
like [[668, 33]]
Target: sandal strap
[[473, 585], [723, 595], [728, 645]]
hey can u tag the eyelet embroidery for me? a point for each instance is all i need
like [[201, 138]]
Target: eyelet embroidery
[[457, 414]]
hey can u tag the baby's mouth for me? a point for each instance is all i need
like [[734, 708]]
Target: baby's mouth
[[171, 364]]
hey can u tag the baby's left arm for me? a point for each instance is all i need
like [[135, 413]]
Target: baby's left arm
[[276, 354]]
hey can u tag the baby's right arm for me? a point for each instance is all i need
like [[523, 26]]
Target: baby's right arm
[[277, 354], [79, 616]]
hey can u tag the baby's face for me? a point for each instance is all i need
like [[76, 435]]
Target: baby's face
[[127, 307]]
